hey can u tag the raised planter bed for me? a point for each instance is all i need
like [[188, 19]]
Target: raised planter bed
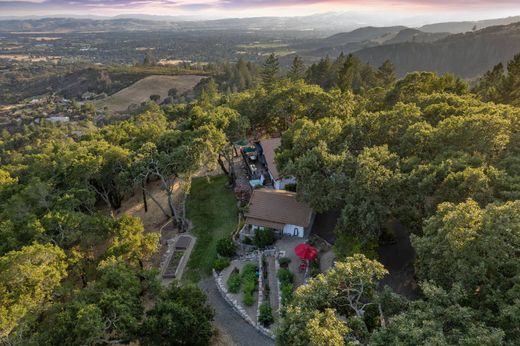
[[171, 268]]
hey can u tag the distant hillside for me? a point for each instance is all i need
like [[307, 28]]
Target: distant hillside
[[312, 25], [467, 55], [358, 39], [325, 23], [346, 42], [460, 27], [63, 25], [361, 34], [414, 35]]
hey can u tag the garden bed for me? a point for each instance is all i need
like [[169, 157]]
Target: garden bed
[[171, 268], [240, 295]]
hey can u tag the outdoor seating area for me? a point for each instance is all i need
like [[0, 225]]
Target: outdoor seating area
[[256, 169], [259, 159], [298, 266]]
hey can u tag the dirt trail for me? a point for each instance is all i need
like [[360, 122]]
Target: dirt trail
[[154, 218]]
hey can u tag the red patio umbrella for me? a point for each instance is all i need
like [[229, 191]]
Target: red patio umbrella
[[306, 252]]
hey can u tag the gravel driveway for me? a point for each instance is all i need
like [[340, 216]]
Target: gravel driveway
[[242, 333]]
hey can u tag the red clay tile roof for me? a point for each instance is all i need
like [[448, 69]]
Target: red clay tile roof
[[275, 208]]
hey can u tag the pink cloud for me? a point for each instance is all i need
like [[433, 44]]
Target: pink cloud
[[195, 6]]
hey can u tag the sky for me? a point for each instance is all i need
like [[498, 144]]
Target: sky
[[422, 10]]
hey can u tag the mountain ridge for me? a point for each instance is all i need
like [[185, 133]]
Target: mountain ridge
[[467, 55]]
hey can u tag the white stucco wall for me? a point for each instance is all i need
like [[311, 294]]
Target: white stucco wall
[[293, 230], [280, 184]]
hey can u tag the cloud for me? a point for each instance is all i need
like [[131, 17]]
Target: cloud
[[21, 6]]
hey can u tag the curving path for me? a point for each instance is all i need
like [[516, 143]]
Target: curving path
[[242, 333]]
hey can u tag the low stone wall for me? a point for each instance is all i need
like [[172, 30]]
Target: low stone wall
[[277, 268], [221, 286], [260, 287], [170, 243]]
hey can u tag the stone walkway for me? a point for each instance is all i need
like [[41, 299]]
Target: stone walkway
[[327, 260], [273, 285], [241, 332]]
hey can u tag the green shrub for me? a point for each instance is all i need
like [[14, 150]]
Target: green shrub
[[287, 293], [249, 283], [347, 245], [234, 281], [290, 187], [314, 268], [285, 276], [249, 271], [221, 263], [286, 285], [264, 237], [248, 299], [266, 315], [284, 262], [248, 241], [226, 247]]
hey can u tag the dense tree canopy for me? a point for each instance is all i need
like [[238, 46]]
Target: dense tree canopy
[[500, 85], [439, 319], [476, 249], [348, 289], [85, 272], [424, 150], [28, 279], [180, 316]]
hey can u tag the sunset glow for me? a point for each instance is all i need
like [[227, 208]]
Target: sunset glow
[[444, 9]]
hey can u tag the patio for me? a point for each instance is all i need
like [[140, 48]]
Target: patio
[[255, 167], [287, 244]]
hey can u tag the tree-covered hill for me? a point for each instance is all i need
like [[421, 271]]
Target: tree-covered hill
[[467, 55], [425, 150]]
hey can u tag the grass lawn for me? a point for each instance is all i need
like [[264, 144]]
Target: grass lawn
[[212, 209]]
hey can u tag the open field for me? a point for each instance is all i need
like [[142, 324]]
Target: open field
[[267, 45], [27, 58], [173, 62], [212, 209], [141, 90], [282, 53]]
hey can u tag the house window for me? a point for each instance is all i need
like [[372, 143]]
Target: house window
[[296, 232]]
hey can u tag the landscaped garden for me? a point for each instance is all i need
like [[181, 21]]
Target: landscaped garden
[[241, 283], [212, 209], [286, 278]]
